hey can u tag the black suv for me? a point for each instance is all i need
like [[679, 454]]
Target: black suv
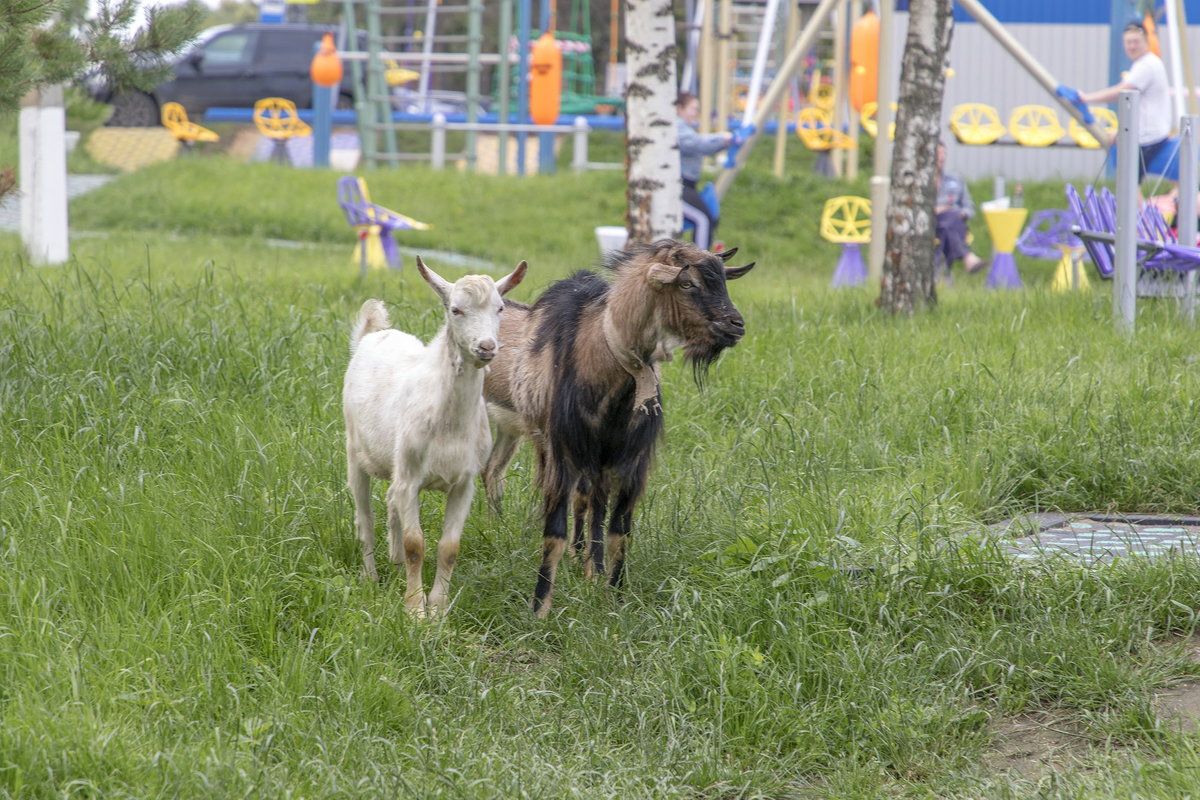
[[233, 66]]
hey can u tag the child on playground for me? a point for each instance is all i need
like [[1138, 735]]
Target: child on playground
[[693, 147]]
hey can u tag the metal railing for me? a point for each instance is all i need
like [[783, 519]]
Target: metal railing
[[439, 127]]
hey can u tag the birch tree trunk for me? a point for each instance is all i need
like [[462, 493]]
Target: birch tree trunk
[[908, 282], [654, 193]]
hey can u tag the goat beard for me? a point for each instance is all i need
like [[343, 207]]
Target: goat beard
[[702, 355]]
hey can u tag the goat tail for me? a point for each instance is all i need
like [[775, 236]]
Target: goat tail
[[373, 316]]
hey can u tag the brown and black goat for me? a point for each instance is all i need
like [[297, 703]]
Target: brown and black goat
[[578, 374]]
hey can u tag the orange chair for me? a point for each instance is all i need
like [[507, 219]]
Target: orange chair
[[277, 119], [187, 133]]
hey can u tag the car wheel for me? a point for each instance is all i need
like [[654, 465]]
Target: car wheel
[[134, 110]]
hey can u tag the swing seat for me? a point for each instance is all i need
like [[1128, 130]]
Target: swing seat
[[815, 129], [976, 123], [1106, 118], [1035, 126]]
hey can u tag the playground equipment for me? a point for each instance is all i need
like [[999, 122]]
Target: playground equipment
[[1049, 235], [1157, 247], [866, 118], [576, 82], [815, 128], [545, 80], [846, 221], [277, 119], [1004, 225], [864, 60], [1030, 125], [187, 133], [374, 224], [1035, 125]]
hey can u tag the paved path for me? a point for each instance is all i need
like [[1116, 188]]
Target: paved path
[[10, 207], [1100, 538]]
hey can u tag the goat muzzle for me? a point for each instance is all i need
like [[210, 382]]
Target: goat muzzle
[[732, 328]]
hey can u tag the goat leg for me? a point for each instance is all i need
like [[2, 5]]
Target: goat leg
[[364, 520], [406, 541], [554, 542], [458, 505]]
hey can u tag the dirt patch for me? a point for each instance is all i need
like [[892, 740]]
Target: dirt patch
[[1034, 745], [1179, 705]]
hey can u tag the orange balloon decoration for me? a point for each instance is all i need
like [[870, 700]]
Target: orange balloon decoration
[[326, 67], [864, 60], [545, 80]]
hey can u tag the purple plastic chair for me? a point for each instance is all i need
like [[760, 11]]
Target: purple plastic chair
[[363, 215]]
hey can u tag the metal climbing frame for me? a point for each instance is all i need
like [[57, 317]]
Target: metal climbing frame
[[393, 45]]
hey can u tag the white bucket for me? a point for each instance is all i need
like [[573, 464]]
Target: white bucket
[[611, 237], [344, 160]]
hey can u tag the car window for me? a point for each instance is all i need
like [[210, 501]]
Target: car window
[[290, 51], [230, 49]]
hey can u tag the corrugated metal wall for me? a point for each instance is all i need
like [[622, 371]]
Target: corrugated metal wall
[[984, 72]]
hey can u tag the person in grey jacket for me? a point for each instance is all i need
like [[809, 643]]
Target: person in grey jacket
[[693, 147], [954, 210]]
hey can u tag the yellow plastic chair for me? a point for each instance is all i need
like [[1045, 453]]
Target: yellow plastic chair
[[816, 130], [870, 125], [396, 75], [1035, 126], [187, 133], [976, 123], [1106, 118], [846, 220], [277, 119]]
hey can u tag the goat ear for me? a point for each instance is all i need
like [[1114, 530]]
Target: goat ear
[[662, 274], [510, 281], [439, 284], [733, 273], [725, 255]]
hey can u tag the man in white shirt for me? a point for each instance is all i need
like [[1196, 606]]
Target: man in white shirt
[[1148, 76]]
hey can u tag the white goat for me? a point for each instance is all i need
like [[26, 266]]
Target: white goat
[[415, 415]]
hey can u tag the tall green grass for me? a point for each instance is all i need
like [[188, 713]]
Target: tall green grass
[[812, 609]]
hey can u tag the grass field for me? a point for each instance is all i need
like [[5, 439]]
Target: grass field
[[811, 608]]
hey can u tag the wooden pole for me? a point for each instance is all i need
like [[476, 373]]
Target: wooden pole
[[706, 69], [1185, 54], [840, 90], [724, 64], [782, 121], [881, 180], [852, 153]]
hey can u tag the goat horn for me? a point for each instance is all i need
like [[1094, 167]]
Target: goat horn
[[727, 254]]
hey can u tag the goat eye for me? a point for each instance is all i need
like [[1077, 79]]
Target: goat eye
[[456, 311], [500, 310], [686, 284]]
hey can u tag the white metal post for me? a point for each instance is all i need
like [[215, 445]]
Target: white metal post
[[1185, 213], [1128, 156], [43, 176], [580, 155], [437, 142], [881, 180]]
